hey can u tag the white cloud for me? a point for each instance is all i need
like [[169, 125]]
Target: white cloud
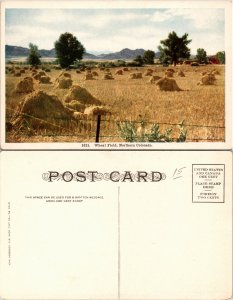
[[117, 43], [202, 19], [22, 35], [133, 37], [92, 20], [212, 43], [161, 16], [145, 36], [51, 16], [113, 30]]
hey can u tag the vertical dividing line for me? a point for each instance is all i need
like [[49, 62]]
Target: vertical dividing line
[[119, 245]]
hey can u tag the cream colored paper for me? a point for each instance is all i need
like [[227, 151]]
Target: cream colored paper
[[132, 239]]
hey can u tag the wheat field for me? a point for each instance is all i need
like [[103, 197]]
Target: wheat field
[[202, 106]]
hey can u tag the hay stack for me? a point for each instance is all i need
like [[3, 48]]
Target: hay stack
[[108, 76], [79, 115], [94, 73], [97, 110], [171, 70], [41, 110], [154, 78], [138, 75], [76, 105], [25, 86], [208, 79], [132, 76], [167, 84], [119, 72], [64, 83], [88, 76], [148, 72], [41, 73], [181, 73], [38, 75], [80, 94], [67, 75], [78, 71], [101, 69], [169, 73], [64, 74], [45, 79], [135, 76], [22, 71], [125, 69], [203, 73], [215, 72], [17, 74]]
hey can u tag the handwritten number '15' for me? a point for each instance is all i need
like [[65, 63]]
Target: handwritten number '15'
[[178, 173]]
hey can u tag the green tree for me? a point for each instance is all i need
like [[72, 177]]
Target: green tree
[[148, 57], [139, 60], [33, 56], [221, 57], [68, 49], [175, 47], [201, 56], [163, 58]]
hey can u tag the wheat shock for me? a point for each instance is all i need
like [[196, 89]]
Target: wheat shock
[[114, 176]]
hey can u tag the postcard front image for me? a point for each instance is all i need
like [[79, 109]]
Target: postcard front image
[[129, 75]]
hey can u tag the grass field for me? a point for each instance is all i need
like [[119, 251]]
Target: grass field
[[137, 99]]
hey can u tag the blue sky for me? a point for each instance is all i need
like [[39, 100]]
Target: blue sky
[[106, 30]]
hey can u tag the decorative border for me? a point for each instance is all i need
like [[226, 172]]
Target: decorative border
[[223, 198]]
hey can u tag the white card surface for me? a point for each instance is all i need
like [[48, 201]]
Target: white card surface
[[128, 225]]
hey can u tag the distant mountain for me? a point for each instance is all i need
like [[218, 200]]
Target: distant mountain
[[89, 56], [123, 54], [15, 51], [12, 51], [47, 53]]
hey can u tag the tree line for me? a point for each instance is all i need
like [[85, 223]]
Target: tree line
[[172, 49]]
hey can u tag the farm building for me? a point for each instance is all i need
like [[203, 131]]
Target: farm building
[[213, 60]]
